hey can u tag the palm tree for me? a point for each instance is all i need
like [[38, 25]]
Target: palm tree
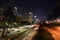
[[8, 14]]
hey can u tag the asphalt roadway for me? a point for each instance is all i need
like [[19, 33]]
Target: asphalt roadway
[[55, 31]]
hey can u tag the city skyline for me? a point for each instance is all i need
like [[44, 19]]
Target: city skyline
[[40, 8]]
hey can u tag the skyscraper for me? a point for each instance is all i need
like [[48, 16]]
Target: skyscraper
[[29, 17]]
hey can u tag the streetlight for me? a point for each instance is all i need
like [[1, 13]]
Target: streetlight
[[30, 12], [34, 19], [34, 16], [7, 28], [20, 15], [15, 7]]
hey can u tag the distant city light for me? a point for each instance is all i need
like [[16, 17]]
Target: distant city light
[[37, 19], [58, 20], [47, 22], [54, 20], [30, 12], [34, 16], [15, 7], [20, 15]]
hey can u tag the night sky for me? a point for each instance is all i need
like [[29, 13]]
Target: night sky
[[40, 8]]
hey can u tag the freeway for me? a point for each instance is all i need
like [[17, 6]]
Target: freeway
[[30, 35], [55, 31], [12, 32], [20, 37]]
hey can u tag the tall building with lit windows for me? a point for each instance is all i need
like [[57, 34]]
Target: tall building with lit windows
[[29, 17]]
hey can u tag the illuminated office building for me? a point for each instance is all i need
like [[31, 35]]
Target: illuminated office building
[[29, 17]]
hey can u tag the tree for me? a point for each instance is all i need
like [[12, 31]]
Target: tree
[[56, 12], [8, 14], [24, 23], [50, 17]]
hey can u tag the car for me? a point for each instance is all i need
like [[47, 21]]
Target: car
[[35, 28]]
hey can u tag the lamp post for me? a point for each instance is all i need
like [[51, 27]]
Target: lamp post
[[6, 24], [15, 10], [4, 33], [34, 19]]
